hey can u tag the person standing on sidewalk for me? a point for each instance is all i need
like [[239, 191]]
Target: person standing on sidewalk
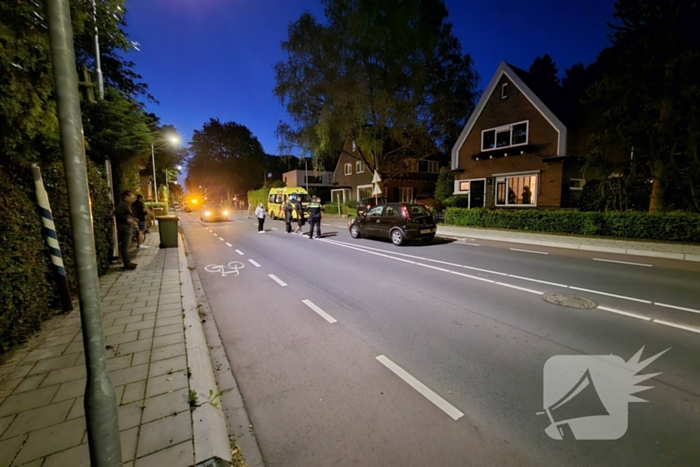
[[260, 214], [314, 217], [140, 212], [126, 221]]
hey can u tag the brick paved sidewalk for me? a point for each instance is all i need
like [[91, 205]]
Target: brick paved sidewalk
[[42, 383]]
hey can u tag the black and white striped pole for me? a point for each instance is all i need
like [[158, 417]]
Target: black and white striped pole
[[49, 232]]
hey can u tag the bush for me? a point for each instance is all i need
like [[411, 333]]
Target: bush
[[456, 202], [258, 196], [674, 227], [151, 205]]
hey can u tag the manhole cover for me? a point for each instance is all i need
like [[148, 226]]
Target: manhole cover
[[569, 300]]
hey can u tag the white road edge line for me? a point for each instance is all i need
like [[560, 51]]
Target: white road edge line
[[441, 403], [611, 295], [321, 313], [239, 252], [678, 326], [277, 279], [465, 243], [538, 281], [228, 244], [625, 313], [253, 263], [622, 262], [537, 292], [677, 307], [530, 251]]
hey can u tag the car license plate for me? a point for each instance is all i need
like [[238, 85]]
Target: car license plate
[[424, 231]]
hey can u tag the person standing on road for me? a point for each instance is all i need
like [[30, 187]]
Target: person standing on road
[[140, 212], [299, 209], [288, 208], [260, 214], [314, 217], [126, 221]]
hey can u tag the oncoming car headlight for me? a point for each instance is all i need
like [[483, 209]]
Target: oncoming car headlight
[[207, 213], [225, 213]]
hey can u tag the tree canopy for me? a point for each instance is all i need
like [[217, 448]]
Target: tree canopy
[[544, 68], [389, 74]]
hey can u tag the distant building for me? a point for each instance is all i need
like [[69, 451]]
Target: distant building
[[319, 183]]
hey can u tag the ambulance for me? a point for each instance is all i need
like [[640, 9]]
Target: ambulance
[[278, 196]]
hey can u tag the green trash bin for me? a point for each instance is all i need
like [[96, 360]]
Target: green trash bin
[[167, 227]]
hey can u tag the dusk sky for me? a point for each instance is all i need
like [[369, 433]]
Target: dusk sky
[[214, 58]]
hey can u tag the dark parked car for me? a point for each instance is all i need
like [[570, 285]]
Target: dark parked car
[[214, 213], [366, 204], [396, 221]]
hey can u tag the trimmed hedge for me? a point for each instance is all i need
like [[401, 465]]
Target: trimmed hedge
[[258, 196], [672, 227]]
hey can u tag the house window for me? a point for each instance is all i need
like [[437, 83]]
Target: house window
[[348, 169], [432, 167], [504, 91], [359, 167], [505, 136], [406, 194], [354, 146], [464, 186], [412, 165], [576, 184], [516, 191]]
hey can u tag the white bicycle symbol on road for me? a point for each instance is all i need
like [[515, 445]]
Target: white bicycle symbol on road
[[225, 269]]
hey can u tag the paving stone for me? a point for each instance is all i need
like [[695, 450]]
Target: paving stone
[[170, 307], [119, 363], [5, 422], [46, 352], [55, 363], [166, 405], [36, 463], [166, 301], [170, 313], [162, 434], [170, 294], [140, 325], [29, 383], [21, 371], [128, 443], [149, 316], [141, 357], [78, 456], [32, 420], [51, 440], [166, 383], [133, 347], [64, 375], [170, 365], [146, 334], [128, 319], [121, 338], [70, 390], [134, 392], [74, 347], [57, 340], [168, 321], [165, 330], [27, 400], [116, 314], [129, 415], [112, 330], [78, 409], [169, 351], [129, 375], [162, 341], [66, 330], [181, 455], [9, 449], [122, 301], [110, 309], [106, 323], [142, 310]]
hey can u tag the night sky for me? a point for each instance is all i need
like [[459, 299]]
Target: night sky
[[214, 58]]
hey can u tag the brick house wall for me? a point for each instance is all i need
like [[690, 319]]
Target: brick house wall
[[354, 179]]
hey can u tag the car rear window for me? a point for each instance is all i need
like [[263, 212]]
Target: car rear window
[[417, 210]]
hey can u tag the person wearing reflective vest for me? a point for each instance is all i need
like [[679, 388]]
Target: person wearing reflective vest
[[314, 217]]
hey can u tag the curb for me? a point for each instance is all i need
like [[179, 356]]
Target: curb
[[239, 424], [578, 246], [211, 444]]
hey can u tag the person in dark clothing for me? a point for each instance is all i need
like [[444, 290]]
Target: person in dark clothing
[[126, 221], [287, 208], [299, 209], [314, 217], [527, 194], [140, 211]]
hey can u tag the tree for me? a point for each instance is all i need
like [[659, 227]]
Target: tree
[[545, 69], [226, 156], [444, 186], [389, 74], [649, 97]]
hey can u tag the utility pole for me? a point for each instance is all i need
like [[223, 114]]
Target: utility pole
[[98, 68], [100, 400], [153, 163]]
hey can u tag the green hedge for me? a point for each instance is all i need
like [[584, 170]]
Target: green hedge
[[258, 196], [673, 227], [332, 208], [151, 205]]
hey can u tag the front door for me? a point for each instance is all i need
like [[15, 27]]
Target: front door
[[476, 193]]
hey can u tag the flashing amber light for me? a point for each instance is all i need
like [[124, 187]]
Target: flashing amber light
[[194, 201]]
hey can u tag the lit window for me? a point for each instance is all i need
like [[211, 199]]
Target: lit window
[[517, 190], [359, 167], [504, 91], [503, 137], [354, 146], [464, 186], [348, 169]]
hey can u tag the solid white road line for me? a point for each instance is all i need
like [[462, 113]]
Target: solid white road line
[[228, 244], [322, 313], [530, 251], [538, 281], [626, 313], [276, 279], [239, 252], [622, 262], [253, 263], [611, 295], [678, 326], [441, 403], [677, 307], [537, 292], [465, 243]]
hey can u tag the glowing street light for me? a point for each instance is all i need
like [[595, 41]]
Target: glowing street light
[[175, 140]]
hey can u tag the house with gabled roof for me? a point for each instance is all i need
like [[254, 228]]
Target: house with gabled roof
[[521, 146]]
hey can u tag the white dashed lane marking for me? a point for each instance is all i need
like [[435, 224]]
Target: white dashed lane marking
[[320, 312], [277, 279]]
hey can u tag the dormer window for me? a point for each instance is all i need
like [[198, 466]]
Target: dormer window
[[354, 146], [504, 91]]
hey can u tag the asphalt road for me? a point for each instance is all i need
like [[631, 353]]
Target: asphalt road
[[356, 352]]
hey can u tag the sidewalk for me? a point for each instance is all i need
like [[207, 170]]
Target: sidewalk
[[157, 356], [624, 247]]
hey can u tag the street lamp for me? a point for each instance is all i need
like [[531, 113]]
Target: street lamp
[[174, 140]]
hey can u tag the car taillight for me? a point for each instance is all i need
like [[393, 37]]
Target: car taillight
[[367, 207]]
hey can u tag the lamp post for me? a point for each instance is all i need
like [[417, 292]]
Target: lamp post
[[173, 140]]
